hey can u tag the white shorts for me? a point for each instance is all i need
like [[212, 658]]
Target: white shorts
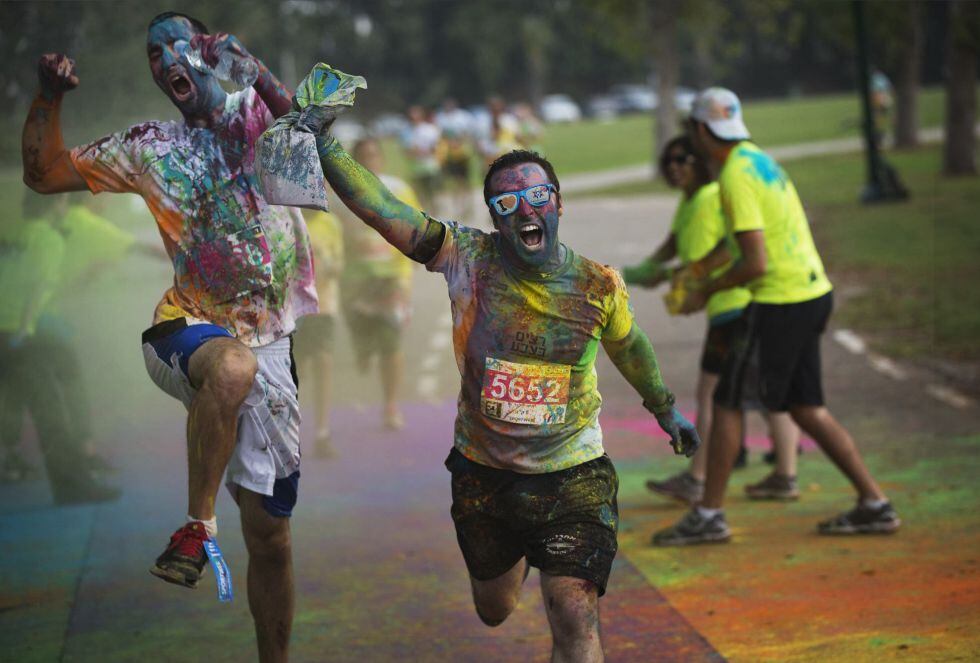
[[267, 448]]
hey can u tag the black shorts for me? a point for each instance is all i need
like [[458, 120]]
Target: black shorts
[[564, 522], [783, 340], [717, 345], [314, 335]]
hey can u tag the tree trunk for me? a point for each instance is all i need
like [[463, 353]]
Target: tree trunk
[[907, 88], [663, 23], [959, 153]]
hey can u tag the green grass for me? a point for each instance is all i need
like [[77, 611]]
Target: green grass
[[916, 260], [591, 145], [601, 145]]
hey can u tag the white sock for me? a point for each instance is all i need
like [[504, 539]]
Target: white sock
[[210, 526], [706, 513], [869, 503]]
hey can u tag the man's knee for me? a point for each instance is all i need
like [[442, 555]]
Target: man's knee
[[573, 608], [229, 371], [268, 541]]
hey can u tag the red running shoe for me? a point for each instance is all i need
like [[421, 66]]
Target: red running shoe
[[184, 560]]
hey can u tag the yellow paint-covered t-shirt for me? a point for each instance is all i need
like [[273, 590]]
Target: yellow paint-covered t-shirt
[[698, 228], [756, 194], [526, 348], [327, 242]]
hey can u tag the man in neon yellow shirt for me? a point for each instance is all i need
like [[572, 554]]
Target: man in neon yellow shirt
[[791, 303]]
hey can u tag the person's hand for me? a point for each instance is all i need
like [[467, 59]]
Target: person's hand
[[683, 436], [694, 301], [647, 274], [314, 119], [212, 46], [56, 74]]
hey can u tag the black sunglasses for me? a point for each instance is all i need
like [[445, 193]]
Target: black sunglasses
[[680, 159]]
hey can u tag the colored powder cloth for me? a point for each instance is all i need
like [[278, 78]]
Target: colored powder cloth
[[326, 238], [698, 227], [31, 257], [756, 194], [526, 349], [377, 277], [239, 262]]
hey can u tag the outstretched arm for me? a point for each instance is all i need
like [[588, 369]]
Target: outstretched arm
[[636, 360], [653, 270], [47, 165], [406, 228]]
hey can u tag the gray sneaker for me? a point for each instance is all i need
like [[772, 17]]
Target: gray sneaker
[[863, 520], [774, 487], [693, 529], [682, 487]]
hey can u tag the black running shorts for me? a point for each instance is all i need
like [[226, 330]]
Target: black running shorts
[[717, 345], [783, 342], [564, 522]]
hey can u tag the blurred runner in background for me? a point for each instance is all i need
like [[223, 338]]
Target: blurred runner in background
[[41, 375], [376, 289], [421, 141], [315, 333]]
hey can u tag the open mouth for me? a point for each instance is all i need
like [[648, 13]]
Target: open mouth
[[181, 86], [532, 235]]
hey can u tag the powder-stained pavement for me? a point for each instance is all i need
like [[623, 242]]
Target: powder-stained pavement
[[379, 576]]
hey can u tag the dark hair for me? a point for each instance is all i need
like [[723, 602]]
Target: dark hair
[[701, 173], [196, 24], [692, 123], [517, 157], [364, 142]]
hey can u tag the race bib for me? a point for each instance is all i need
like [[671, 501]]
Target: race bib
[[533, 394]]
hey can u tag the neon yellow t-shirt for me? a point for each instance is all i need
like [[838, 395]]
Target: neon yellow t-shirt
[[31, 257], [90, 240], [327, 242], [757, 194], [698, 227]]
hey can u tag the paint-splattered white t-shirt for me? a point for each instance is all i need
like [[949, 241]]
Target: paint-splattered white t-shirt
[[239, 262]]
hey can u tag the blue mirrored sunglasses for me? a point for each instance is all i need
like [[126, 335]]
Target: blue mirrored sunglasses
[[507, 203]]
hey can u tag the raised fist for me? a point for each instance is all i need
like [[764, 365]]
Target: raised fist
[[56, 73]]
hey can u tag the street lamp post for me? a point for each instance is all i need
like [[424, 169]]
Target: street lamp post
[[883, 183]]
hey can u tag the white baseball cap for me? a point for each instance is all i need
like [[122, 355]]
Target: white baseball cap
[[721, 110]]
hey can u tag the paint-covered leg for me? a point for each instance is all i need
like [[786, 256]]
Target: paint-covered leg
[[495, 599], [572, 605]]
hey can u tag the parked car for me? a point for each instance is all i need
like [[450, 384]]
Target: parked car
[[603, 107], [684, 98], [634, 98], [559, 108]]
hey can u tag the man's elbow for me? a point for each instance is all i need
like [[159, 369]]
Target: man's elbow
[[756, 268], [37, 183]]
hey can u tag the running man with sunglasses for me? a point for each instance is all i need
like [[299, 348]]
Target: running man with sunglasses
[[531, 483]]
